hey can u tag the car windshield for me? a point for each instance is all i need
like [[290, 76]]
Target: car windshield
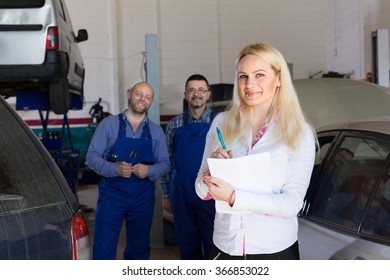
[[10, 4], [25, 179]]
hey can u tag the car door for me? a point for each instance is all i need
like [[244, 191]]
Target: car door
[[22, 32], [346, 213]]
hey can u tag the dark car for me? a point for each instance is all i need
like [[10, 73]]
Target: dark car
[[40, 53], [346, 213], [39, 214]]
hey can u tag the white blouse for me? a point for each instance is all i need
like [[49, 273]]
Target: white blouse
[[271, 223]]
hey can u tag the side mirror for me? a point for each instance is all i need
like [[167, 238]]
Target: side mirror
[[82, 35]]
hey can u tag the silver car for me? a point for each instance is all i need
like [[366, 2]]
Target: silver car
[[346, 213], [330, 100], [40, 53]]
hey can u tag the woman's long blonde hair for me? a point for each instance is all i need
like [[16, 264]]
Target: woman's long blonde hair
[[285, 109]]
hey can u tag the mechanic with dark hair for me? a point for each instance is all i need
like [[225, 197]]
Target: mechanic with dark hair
[[186, 137]]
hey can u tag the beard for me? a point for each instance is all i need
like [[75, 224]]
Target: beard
[[197, 102], [138, 109]]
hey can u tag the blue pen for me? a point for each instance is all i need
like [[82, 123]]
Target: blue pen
[[221, 139]]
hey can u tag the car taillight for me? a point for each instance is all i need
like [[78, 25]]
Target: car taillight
[[80, 238], [52, 40]]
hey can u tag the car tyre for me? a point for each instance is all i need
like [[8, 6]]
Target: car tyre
[[59, 96]]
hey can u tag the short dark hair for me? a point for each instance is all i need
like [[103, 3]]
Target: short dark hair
[[197, 77]]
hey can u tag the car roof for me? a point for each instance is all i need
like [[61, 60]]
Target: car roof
[[380, 125], [333, 100]]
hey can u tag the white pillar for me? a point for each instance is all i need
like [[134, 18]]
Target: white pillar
[[380, 57], [115, 95]]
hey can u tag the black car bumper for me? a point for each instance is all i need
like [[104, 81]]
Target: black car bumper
[[54, 67]]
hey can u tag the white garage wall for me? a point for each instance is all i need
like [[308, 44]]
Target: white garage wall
[[349, 24], [205, 36], [100, 52], [201, 36], [345, 37], [376, 16]]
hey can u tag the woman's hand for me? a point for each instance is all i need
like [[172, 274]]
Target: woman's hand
[[218, 188], [221, 153]]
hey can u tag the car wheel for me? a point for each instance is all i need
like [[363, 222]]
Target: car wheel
[[59, 96]]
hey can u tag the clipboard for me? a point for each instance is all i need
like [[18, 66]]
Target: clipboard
[[251, 173]]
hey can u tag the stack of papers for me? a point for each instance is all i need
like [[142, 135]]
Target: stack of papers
[[250, 173]]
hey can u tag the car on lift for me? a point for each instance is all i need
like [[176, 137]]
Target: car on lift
[[40, 52], [346, 212], [40, 217]]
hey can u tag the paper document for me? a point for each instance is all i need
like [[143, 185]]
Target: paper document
[[250, 173]]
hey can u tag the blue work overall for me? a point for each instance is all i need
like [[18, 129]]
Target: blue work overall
[[130, 199], [193, 217]]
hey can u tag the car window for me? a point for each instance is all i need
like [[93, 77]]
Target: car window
[[325, 145], [377, 218], [25, 179], [322, 153], [355, 177], [7, 4]]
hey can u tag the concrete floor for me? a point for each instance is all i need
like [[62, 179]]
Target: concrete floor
[[87, 195]]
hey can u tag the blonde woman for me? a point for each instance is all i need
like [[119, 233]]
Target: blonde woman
[[265, 116]]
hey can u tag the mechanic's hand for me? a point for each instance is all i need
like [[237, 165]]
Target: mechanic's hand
[[140, 170], [125, 169]]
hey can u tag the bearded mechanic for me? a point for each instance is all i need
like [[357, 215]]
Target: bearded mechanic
[[130, 153]]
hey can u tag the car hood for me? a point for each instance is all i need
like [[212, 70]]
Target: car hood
[[331, 100]]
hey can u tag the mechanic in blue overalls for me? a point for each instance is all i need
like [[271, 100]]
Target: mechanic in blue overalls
[[186, 136], [130, 153]]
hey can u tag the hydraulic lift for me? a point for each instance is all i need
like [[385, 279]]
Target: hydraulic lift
[[58, 141]]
